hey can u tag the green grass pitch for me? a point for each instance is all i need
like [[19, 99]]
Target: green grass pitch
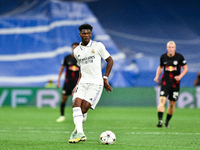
[[31, 128]]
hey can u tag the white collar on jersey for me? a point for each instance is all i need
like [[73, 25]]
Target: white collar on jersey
[[88, 45]]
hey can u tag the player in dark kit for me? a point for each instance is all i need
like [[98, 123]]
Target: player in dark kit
[[170, 81], [71, 78]]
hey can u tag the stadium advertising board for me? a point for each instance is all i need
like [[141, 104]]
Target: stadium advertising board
[[29, 96], [136, 96], [188, 97]]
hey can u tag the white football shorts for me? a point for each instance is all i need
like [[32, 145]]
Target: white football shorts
[[88, 91]]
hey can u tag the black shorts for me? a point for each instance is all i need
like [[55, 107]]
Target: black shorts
[[170, 92], [68, 88]]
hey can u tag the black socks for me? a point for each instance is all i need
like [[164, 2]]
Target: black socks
[[62, 108]]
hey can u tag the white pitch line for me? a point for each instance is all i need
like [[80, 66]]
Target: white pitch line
[[163, 133], [142, 133], [55, 130], [35, 128], [34, 131]]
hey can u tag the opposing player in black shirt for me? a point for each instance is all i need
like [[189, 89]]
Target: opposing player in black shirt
[[170, 80], [71, 77]]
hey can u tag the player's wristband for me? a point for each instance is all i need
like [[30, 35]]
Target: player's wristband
[[105, 77]]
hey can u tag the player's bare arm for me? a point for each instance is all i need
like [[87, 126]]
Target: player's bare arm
[[76, 83], [185, 70], [59, 76], [158, 73], [108, 69]]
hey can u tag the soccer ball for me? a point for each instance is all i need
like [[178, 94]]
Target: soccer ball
[[107, 137]]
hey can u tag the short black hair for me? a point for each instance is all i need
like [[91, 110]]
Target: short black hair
[[85, 26], [75, 43]]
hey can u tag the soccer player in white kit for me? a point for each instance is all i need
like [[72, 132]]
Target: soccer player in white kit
[[90, 85]]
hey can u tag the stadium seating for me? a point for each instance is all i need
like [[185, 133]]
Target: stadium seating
[[36, 35], [141, 29]]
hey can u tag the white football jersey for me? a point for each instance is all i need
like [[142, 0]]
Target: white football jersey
[[89, 59]]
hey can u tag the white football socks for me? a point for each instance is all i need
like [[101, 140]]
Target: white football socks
[[78, 119], [84, 119]]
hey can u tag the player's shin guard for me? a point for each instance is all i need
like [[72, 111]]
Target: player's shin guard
[[78, 119]]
